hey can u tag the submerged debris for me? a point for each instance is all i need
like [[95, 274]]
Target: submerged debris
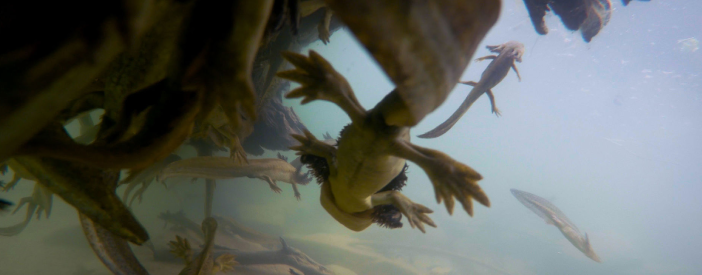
[[588, 16]]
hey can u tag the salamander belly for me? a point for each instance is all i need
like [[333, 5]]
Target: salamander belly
[[496, 72], [363, 168]]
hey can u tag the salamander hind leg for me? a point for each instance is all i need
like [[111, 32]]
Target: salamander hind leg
[[181, 249], [298, 196], [514, 67], [224, 263], [415, 213], [272, 184], [236, 151], [449, 177], [323, 27]]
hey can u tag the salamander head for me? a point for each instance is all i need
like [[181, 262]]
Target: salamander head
[[512, 48]]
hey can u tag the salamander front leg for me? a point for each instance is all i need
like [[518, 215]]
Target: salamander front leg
[[486, 58], [514, 67], [319, 81]]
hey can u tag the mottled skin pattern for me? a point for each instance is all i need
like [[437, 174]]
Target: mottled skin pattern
[[508, 53], [371, 153], [96, 200], [113, 251], [203, 264], [552, 215], [269, 170]]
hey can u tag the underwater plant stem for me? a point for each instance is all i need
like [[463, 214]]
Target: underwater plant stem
[[209, 196]]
